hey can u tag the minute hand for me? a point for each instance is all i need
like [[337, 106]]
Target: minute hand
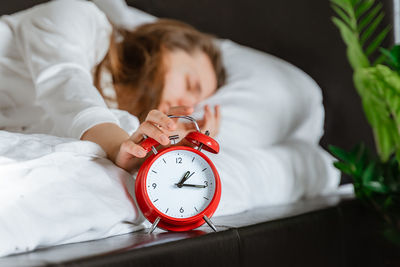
[[185, 178], [193, 185]]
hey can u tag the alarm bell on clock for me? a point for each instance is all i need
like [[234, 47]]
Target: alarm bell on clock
[[178, 188]]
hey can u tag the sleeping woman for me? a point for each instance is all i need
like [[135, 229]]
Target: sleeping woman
[[55, 62], [51, 66]]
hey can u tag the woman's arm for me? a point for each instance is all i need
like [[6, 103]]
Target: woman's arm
[[109, 136], [60, 42], [125, 151]]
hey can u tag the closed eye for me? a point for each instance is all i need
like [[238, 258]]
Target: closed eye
[[193, 88], [188, 87], [198, 88]]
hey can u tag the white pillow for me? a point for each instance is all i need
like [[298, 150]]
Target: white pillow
[[266, 100]]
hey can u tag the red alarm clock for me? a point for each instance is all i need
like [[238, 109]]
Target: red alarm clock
[[178, 188]]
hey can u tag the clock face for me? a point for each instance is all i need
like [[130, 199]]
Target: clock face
[[180, 200]]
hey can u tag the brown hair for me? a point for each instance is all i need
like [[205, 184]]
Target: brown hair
[[136, 65]]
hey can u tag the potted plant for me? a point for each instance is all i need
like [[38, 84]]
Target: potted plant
[[376, 77]]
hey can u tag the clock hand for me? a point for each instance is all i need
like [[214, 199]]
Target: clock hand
[[187, 178], [191, 185], [184, 178]]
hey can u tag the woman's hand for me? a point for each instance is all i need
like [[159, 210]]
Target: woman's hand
[[210, 122], [158, 126], [125, 151]]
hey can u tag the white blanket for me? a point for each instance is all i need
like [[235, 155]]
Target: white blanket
[[55, 190]]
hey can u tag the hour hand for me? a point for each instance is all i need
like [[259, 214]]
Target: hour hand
[[184, 178], [192, 185]]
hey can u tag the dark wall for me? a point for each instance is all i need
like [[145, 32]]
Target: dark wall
[[300, 32], [9, 7]]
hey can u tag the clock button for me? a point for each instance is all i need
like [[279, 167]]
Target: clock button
[[198, 138]]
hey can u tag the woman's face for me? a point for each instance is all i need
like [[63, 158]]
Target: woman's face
[[189, 79]]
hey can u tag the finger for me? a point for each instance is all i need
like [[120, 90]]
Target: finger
[[180, 110], [217, 124], [211, 120], [157, 117], [133, 149], [217, 113], [207, 110], [208, 117], [149, 129], [202, 123]]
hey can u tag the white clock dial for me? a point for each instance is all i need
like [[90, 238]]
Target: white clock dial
[[193, 196]]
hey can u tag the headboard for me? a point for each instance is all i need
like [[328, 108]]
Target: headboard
[[300, 32]]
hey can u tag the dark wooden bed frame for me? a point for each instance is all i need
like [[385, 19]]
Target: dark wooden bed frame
[[328, 231]]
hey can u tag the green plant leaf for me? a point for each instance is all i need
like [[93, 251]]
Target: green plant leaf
[[371, 95], [375, 186], [342, 14], [392, 57], [376, 42], [369, 173], [381, 58], [353, 3], [385, 141], [388, 78], [379, 88], [363, 7], [368, 17], [355, 54], [341, 153], [345, 5], [345, 31], [395, 51], [343, 167], [370, 30]]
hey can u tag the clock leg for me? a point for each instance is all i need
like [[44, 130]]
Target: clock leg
[[210, 223], [154, 225]]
